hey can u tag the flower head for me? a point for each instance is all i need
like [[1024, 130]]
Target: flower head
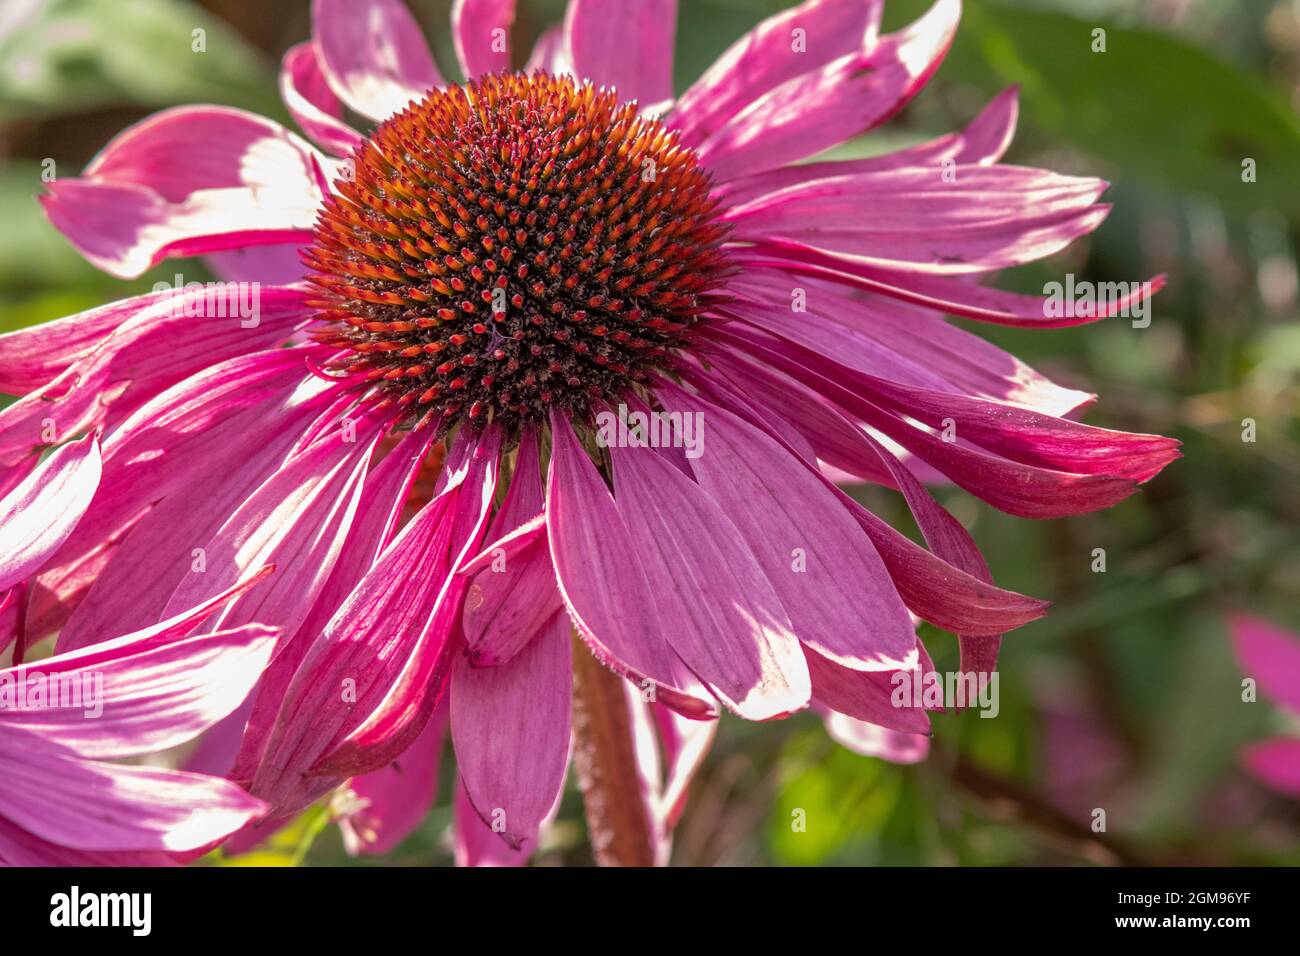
[[606, 345]]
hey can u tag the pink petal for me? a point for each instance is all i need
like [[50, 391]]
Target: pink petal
[[152, 697], [133, 588], [869, 740], [832, 103], [163, 343], [99, 806], [1028, 490], [383, 496], [955, 295], [716, 608], [380, 664], [1271, 656], [481, 32], [312, 103], [41, 513], [475, 843], [510, 725], [601, 580], [507, 604], [626, 45], [373, 55], [840, 599], [550, 55], [768, 56], [297, 520], [188, 181], [982, 142], [31, 357], [901, 343]]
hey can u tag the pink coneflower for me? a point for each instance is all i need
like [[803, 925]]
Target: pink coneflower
[[1271, 656], [503, 284], [65, 719]]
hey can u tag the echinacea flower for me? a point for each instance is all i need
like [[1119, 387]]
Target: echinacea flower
[[619, 340], [65, 720], [1271, 656]]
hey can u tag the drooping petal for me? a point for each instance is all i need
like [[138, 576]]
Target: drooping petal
[[100, 806], [869, 740], [188, 181], [312, 103], [138, 700], [41, 513], [781, 48], [834, 102], [825, 570], [510, 725], [481, 31], [475, 843], [385, 491], [373, 55], [601, 581], [626, 45], [716, 608], [297, 520]]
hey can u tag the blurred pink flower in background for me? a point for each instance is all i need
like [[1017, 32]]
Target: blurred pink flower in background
[[1271, 657], [490, 269]]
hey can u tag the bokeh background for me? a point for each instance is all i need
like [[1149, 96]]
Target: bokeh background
[[1127, 697]]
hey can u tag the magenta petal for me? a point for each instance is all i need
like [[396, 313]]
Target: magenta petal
[[475, 843], [625, 46], [1276, 763], [312, 103], [100, 806], [187, 181], [982, 142], [835, 102], [481, 31], [863, 695], [772, 54], [716, 607], [168, 339], [376, 671], [510, 725], [515, 596], [135, 583], [41, 513], [373, 55], [869, 740], [31, 357], [297, 520], [826, 572], [390, 804], [602, 583], [383, 496], [152, 696], [1271, 656]]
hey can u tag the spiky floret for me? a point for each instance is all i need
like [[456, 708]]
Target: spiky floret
[[514, 244]]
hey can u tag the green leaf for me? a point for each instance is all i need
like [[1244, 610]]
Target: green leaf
[[70, 55]]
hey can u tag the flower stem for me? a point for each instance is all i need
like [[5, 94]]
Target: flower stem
[[605, 760]]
